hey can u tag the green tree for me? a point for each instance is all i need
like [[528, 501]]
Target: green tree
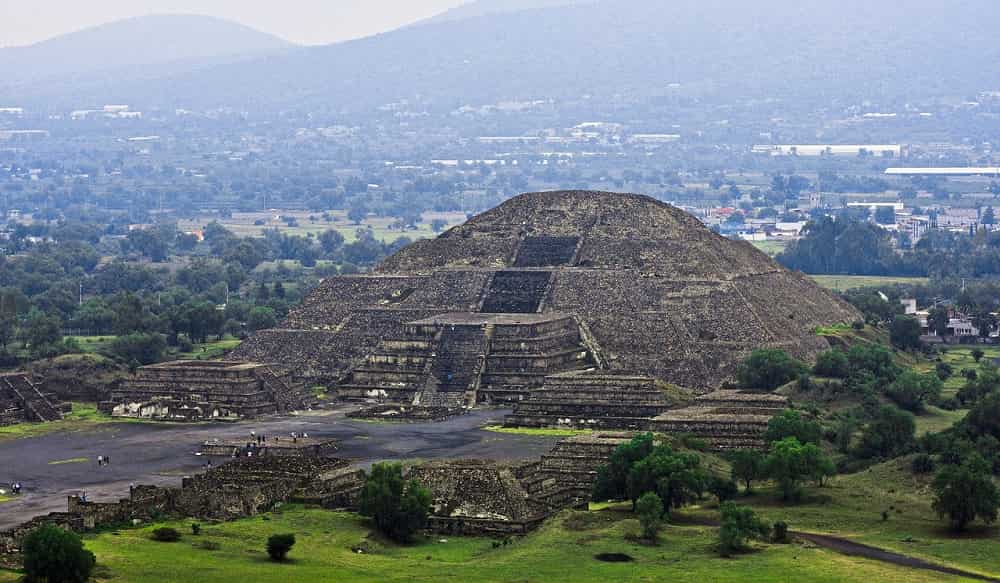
[[739, 524], [40, 329], [966, 492], [54, 555], [937, 321], [722, 488], [789, 462], [139, 347], [676, 477], [279, 545], [768, 369], [398, 508], [747, 467], [912, 390], [904, 333], [261, 318], [891, 433], [832, 363], [612, 479], [331, 241], [649, 507], [791, 423], [977, 354]]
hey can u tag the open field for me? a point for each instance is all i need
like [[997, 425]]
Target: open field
[[209, 350], [847, 282], [563, 549], [772, 248]]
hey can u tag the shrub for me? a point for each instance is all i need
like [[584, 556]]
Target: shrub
[[196, 529], [768, 369], [723, 489], [943, 370], [922, 464], [57, 556], [166, 535], [399, 508], [649, 507], [977, 354], [278, 546], [739, 524], [780, 532]]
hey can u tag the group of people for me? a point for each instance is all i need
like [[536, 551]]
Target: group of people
[[103, 460], [15, 488]]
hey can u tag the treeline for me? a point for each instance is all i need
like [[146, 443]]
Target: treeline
[[846, 246], [76, 279]]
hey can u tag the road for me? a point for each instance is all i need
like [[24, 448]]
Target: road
[[54, 466]]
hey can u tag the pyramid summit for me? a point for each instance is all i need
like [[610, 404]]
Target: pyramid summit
[[546, 284]]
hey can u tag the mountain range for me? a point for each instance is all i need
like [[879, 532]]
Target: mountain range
[[609, 49], [157, 40]]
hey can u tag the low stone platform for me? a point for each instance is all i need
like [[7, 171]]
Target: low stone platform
[[591, 400], [206, 390], [272, 446], [725, 419], [405, 413]]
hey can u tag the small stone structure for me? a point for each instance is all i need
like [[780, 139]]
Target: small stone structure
[[271, 446], [206, 390], [725, 419], [21, 400], [591, 400]]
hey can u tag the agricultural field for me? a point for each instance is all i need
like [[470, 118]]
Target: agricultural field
[[848, 282], [340, 546], [960, 358]]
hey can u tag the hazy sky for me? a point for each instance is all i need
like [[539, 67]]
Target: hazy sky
[[302, 21]]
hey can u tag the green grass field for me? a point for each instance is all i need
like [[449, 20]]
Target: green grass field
[[960, 358], [851, 506], [563, 549], [848, 282], [772, 248], [544, 432], [209, 350]]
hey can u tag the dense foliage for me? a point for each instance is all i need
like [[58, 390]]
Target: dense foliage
[[398, 508], [768, 369], [54, 555]]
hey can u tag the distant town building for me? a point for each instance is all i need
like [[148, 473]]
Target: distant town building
[[892, 150]]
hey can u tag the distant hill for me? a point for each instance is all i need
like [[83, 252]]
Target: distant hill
[[147, 40], [790, 50], [479, 8]]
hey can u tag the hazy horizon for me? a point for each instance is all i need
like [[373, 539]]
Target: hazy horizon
[[307, 22]]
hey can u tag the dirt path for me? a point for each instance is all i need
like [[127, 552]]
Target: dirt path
[[853, 549]]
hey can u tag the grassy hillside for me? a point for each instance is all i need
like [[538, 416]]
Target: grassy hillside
[[562, 550]]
